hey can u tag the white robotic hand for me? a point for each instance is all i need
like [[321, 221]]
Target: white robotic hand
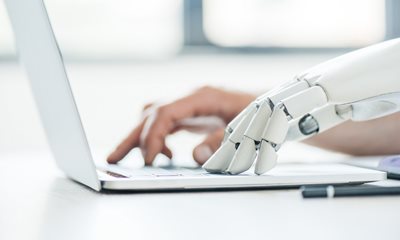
[[360, 85]]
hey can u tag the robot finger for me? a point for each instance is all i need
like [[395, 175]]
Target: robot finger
[[221, 159], [247, 150]]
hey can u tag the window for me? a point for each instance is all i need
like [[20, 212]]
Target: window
[[101, 29], [110, 29], [291, 23]]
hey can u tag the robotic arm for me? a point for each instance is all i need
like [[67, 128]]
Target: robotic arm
[[361, 85]]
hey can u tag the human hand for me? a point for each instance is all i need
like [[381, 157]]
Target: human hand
[[161, 121]]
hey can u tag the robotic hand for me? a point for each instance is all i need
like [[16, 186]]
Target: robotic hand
[[360, 85]]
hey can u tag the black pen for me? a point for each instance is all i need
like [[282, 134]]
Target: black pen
[[347, 191]]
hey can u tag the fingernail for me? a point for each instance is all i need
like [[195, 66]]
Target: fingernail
[[111, 157], [202, 153]]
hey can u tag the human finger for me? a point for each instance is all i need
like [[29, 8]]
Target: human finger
[[204, 150], [130, 142]]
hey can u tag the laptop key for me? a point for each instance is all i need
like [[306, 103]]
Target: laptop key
[[161, 172]]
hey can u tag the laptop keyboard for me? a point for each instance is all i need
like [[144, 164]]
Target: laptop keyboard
[[169, 171]]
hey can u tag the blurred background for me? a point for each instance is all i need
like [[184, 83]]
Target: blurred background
[[132, 29], [122, 54]]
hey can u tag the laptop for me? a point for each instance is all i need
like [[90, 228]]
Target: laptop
[[41, 57]]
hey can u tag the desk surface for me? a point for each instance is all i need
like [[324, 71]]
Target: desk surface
[[38, 202]]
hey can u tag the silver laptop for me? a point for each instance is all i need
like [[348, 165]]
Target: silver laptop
[[39, 52]]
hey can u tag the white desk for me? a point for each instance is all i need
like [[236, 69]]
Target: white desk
[[38, 202], [43, 204]]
